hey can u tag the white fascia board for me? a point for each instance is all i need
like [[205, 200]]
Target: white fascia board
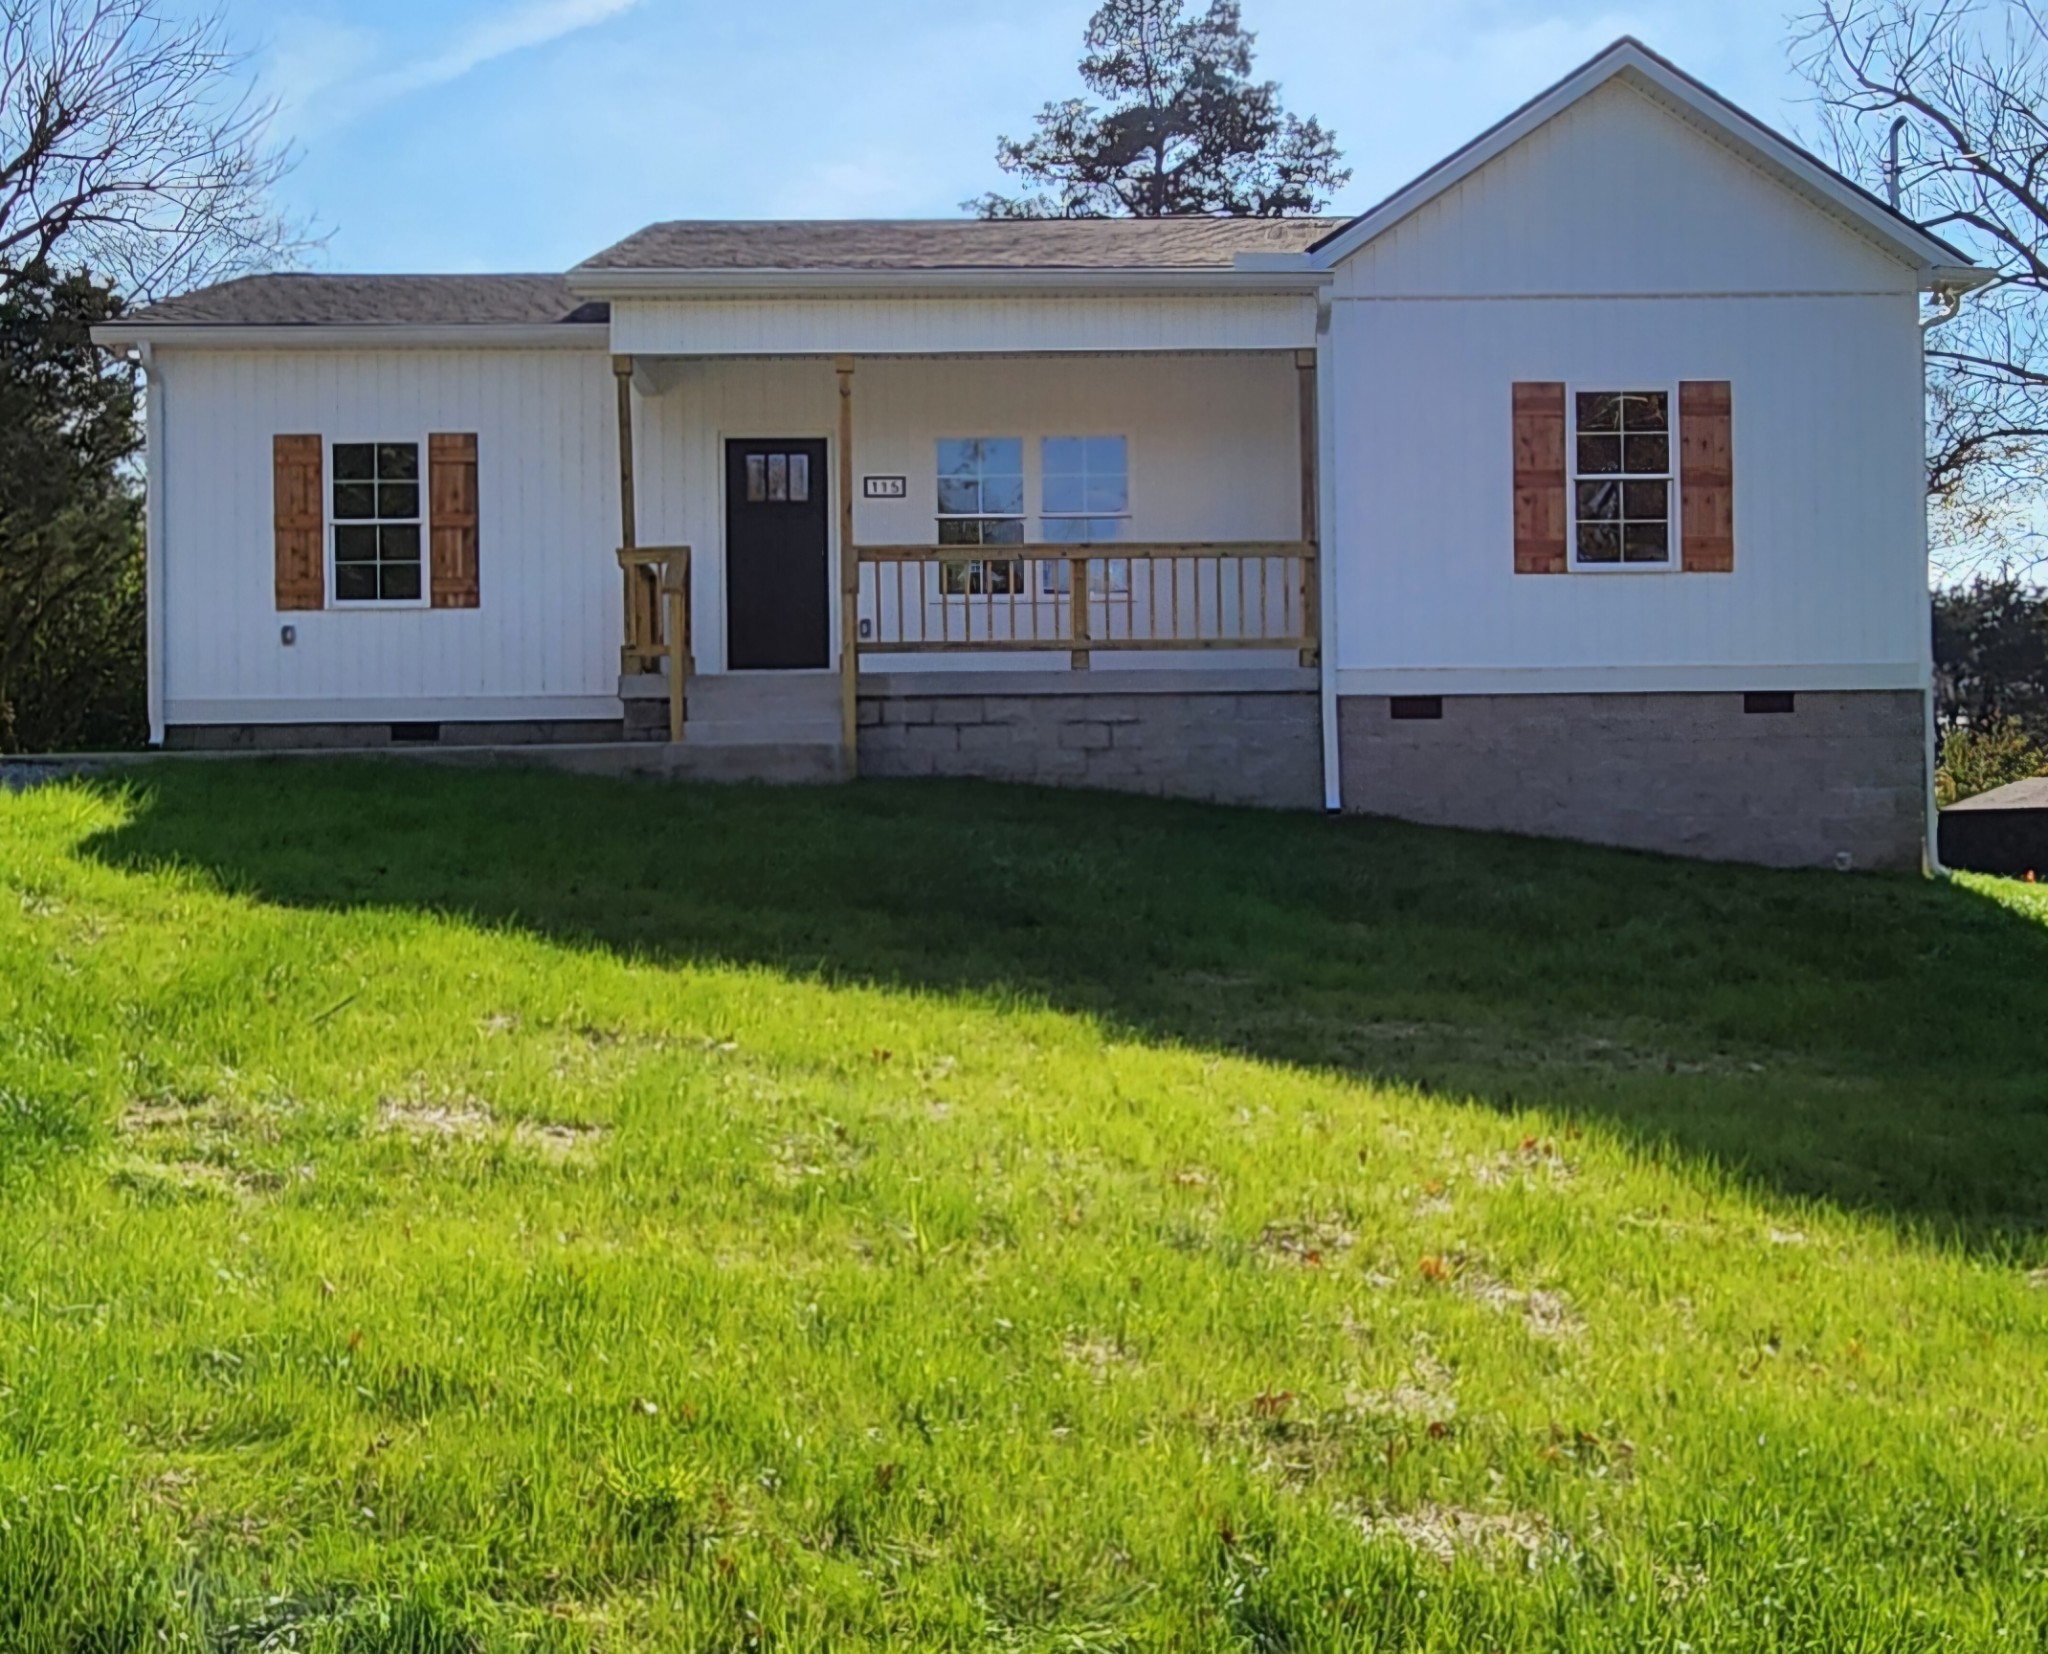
[[355, 336], [1629, 60], [1295, 276]]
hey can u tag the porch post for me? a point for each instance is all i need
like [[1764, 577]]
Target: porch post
[[629, 658], [1311, 487], [849, 578]]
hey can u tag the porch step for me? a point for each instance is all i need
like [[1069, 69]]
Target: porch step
[[763, 708]]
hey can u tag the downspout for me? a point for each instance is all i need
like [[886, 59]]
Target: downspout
[[1326, 537], [153, 538], [1951, 302]]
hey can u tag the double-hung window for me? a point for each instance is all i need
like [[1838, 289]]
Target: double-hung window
[[1085, 498], [1622, 479], [377, 523], [981, 503]]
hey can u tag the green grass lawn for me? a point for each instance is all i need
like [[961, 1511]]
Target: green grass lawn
[[459, 1211]]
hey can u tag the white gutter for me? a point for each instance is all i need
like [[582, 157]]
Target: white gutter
[[1951, 299], [356, 336], [1956, 279], [153, 539], [1326, 538]]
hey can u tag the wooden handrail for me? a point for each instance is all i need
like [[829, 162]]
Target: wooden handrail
[[658, 620], [1113, 595], [1110, 551]]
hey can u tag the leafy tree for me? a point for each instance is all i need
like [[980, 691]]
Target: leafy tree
[[1991, 655], [1185, 128], [131, 147], [70, 521]]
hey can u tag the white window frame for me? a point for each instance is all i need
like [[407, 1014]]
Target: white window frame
[[374, 605], [1054, 570], [991, 553], [1673, 560]]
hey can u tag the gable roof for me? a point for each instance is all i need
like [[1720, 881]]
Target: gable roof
[[898, 246], [1630, 61], [296, 299], [1241, 254]]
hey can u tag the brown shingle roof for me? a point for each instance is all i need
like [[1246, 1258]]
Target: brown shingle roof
[[851, 245], [959, 244], [298, 300]]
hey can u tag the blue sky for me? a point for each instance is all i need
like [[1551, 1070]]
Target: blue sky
[[527, 134]]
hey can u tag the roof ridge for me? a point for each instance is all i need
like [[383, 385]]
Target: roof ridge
[[1187, 241]]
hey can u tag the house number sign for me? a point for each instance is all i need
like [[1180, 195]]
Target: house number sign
[[885, 488]]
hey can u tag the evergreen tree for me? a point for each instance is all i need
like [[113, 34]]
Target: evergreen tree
[[71, 642], [1183, 128]]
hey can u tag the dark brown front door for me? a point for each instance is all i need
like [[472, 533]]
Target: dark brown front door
[[776, 555]]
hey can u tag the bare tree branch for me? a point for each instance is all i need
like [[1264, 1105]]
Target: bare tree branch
[[132, 144], [1969, 80]]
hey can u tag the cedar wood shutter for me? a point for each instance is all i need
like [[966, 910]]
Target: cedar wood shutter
[[1706, 476], [1542, 485], [452, 520], [299, 521]]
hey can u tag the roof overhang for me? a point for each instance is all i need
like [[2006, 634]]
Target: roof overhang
[[1287, 273], [1940, 265], [355, 336]]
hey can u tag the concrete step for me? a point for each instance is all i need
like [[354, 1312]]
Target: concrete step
[[757, 708], [762, 734]]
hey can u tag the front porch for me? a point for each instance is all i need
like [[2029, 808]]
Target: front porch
[[1001, 541]]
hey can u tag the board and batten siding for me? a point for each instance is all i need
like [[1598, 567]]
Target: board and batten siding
[[542, 644], [991, 323], [1618, 194], [1619, 248], [1213, 455]]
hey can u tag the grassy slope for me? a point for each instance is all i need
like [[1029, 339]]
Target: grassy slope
[[461, 1211]]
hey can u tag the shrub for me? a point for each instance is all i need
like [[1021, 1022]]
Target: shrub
[[1977, 758]]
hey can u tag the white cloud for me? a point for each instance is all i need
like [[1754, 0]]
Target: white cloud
[[325, 76], [517, 29], [308, 58]]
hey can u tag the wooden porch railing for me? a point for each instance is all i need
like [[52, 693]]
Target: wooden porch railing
[[1083, 599], [658, 620]]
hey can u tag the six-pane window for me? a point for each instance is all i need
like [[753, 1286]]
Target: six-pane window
[[981, 503], [1085, 497], [377, 522], [1622, 478]]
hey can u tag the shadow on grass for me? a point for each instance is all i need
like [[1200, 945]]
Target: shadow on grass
[[1875, 1042]]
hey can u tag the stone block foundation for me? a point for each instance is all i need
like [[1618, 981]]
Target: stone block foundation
[[355, 737], [1839, 779], [1228, 737]]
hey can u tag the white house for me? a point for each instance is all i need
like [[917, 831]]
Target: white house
[[1576, 489]]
